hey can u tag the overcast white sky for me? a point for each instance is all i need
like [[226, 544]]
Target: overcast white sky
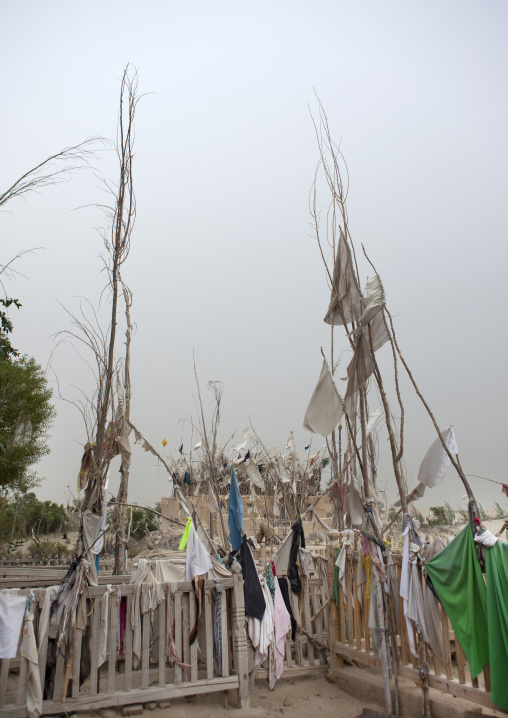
[[221, 260]]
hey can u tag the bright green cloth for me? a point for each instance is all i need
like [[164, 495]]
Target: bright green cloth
[[496, 564], [457, 577]]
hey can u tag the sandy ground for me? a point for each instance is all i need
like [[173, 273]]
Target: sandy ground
[[301, 698]]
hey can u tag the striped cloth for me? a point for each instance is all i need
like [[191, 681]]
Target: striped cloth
[[217, 628]]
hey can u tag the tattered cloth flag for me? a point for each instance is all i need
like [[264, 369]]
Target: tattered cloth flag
[[505, 489], [436, 461], [325, 407], [374, 300], [346, 300], [235, 518], [371, 335], [186, 478], [254, 476], [434, 466]]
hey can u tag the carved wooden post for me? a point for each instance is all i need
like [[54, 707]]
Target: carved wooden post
[[240, 641]]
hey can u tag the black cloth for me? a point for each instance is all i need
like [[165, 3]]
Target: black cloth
[[252, 592], [283, 585], [297, 542]]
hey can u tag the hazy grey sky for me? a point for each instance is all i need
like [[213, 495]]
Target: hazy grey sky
[[221, 260]]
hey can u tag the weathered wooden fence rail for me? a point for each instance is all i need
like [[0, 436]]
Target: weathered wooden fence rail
[[350, 638], [115, 675]]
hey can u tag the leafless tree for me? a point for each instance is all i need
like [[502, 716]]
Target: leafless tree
[[106, 412]]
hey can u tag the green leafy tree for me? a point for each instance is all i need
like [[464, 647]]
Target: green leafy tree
[[143, 522], [6, 349], [26, 414]]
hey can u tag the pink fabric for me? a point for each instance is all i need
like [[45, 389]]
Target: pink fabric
[[282, 627]]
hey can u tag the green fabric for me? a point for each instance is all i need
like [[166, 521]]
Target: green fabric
[[457, 578], [335, 584], [496, 564], [336, 594]]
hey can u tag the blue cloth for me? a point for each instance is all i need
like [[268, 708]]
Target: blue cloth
[[186, 478], [97, 563], [235, 518]]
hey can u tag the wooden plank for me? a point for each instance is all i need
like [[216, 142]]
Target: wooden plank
[[178, 629], [94, 648], [318, 622], [307, 624], [193, 609], [4, 676], [436, 662], [350, 582], [224, 636], [289, 657], [296, 672], [461, 661], [112, 631], [127, 645], [486, 677], [358, 617], [239, 640], [43, 652], [121, 698], [21, 691], [162, 643], [325, 593], [186, 629], [145, 651], [59, 674], [209, 634], [76, 662], [446, 644]]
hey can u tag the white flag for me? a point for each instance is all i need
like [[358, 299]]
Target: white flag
[[437, 462], [254, 476], [325, 408]]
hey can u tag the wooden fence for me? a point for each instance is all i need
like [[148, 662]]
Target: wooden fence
[[266, 552], [350, 639], [122, 679]]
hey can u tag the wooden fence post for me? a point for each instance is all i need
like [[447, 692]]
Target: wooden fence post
[[240, 641]]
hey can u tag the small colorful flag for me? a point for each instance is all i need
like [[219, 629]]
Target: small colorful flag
[[186, 534], [164, 442]]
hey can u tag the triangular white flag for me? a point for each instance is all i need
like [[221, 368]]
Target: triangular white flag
[[325, 408]]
